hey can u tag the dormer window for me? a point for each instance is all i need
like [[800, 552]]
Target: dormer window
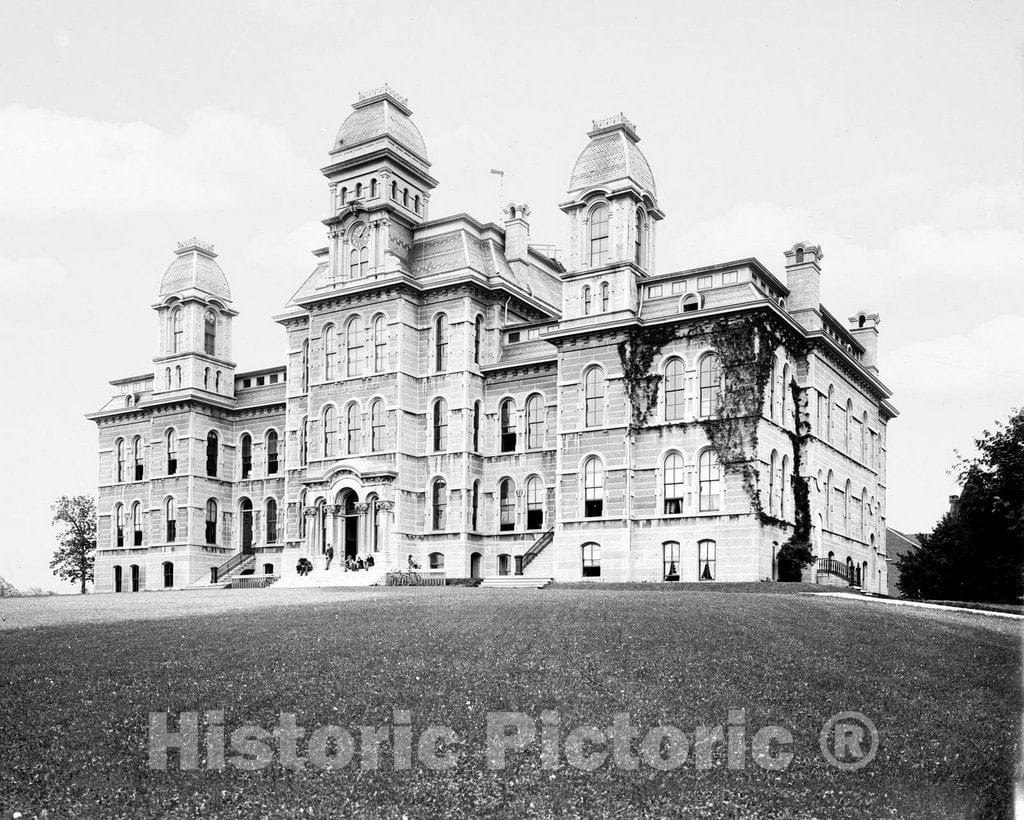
[[690, 303], [599, 236]]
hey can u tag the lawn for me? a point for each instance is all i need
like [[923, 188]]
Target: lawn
[[941, 687]]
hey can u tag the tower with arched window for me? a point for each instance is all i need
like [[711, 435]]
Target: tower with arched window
[[194, 314]]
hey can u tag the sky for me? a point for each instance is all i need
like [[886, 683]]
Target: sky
[[889, 133]]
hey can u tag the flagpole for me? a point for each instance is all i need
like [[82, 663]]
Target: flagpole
[[501, 190]]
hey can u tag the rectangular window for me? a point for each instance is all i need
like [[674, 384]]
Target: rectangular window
[[211, 532], [679, 287], [172, 530], [671, 549], [513, 337], [710, 482], [508, 513], [654, 292], [503, 564], [519, 564], [730, 277], [703, 283], [706, 560]]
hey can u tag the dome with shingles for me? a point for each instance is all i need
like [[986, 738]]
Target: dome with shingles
[[381, 113], [612, 156], [195, 269]]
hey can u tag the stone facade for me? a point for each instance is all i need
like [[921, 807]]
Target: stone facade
[[455, 394]]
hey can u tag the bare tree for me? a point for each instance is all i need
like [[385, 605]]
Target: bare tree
[[75, 558]]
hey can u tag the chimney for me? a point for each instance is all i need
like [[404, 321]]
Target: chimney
[[803, 278], [954, 506], [517, 231], [864, 328]]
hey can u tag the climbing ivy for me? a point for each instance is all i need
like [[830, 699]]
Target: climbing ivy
[[744, 346]]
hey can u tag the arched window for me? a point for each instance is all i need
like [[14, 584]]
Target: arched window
[[591, 560], [353, 263], [210, 333], [593, 488], [354, 345], [476, 427], [478, 334], [710, 385], [211, 454], [863, 512], [441, 343], [507, 505], [245, 523], [206, 378], [586, 300], [534, 422], [416, 204], [364, 260], [690, 302], [847, 423], [673, 484], [305, 365], [605, 296], [273, 463], [771, 387], [330, 353], [119, 460], [171, 439], [799, 256], [772, 467], [246, 449], [330, 432], [304, 442], [439, 425], [359, 190], [177, 330], [117, 578], [137, 463], [507, 420], [380, 344], [783, 486], [675, 373], [211, 521], [638, 239], [828, 414], [353, 429], [136, 524], [439, 505], [785, 394], [119, 525], [710, 480], [534, 504], [865, 450], [177, 375], [216, 381], [593, 397], [846, 508], [171, 520], [168, 574], [271, 521], [474, 512], [599, 236], [405, 197], [828, 499], [377, 426], [670, 550], [394, 190], [504, 564], [706, 558], [373, 188], [436, 560]]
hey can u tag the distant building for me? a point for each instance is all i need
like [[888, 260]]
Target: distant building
[[452, 392], [898, 544]]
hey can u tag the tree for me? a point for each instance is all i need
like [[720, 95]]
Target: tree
[[976, 551], [75, 558]]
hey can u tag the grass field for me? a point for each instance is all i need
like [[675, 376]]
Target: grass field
[[80, 677]]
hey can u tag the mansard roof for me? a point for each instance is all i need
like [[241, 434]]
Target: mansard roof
[[195, 269]]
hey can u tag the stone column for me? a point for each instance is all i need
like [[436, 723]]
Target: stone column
[[364, 541], [385, 514]]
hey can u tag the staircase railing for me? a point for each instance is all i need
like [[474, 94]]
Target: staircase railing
[[849, 573], [229, 566], [537, 547]]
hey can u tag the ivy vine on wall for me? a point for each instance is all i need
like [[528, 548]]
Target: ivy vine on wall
[[745, 346]]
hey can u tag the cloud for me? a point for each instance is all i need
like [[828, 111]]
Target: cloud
[[56, 163]]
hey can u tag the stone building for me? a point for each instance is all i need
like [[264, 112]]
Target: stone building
[[454, 393]]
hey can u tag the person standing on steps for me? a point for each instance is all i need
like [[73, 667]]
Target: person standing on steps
[[330, 556]]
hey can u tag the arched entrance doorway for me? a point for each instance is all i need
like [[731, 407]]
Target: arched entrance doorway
[[349, 535], [245, 524], [474, 565]]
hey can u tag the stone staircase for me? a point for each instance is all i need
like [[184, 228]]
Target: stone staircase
[[336, 576]]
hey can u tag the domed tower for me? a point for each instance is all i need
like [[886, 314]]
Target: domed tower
[[380, 186], [195, 313], [613, 203]]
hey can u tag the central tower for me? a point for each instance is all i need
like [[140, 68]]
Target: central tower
[[379, 185]]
